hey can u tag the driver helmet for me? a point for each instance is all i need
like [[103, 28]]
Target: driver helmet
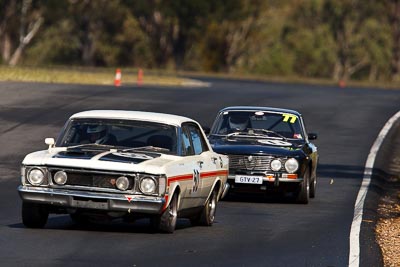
[[238, 121], [97, 133]]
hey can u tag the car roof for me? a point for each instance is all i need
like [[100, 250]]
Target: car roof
[[255, 108], [133, 115]]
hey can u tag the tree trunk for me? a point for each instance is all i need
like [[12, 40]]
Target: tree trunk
[[6, 47], [5, 40], [373, 73], [25, 39]]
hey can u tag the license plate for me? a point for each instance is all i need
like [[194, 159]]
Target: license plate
[[245, 179]]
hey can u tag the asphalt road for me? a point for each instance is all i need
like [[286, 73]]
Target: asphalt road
[[247, 232]]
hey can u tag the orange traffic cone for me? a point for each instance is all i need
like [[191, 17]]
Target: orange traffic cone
[[342, 84], [140, 77], [118, 75]]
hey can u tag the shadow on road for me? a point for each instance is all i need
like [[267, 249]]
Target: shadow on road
[[337, 171], [63, 222]]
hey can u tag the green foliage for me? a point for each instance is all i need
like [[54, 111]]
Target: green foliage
[[339, 39]]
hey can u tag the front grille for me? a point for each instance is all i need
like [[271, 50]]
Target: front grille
[[253, 163], [93, 179]]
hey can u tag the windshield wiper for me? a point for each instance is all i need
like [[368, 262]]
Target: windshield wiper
[[89, 145], [145, 148], [233, 134], [266, 132]]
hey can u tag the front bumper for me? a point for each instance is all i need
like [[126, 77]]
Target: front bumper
[[269, 182], [92, 200], [269, 178]]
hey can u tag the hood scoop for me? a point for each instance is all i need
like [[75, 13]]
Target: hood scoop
[[127, 157]]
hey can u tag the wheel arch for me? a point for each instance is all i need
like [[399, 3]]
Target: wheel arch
[[175, 190]]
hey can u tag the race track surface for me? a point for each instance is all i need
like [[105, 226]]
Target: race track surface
[[248, 231]]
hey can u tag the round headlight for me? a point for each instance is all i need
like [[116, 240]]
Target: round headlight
[[276, 165], [291, 165], [36, 177], [148, 185], [122, 183], [60, 177]]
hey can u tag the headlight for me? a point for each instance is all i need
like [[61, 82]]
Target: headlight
[[35, 176], [147, 185], [291, 165], [60, 177], [276, 165], [122, 183]]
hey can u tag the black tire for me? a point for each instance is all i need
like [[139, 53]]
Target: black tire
[[207, 215], [166, 222], [303, 195], [313, 187], [34, 215]]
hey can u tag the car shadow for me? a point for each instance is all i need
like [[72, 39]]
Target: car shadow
[[140, 226], [337, 171]]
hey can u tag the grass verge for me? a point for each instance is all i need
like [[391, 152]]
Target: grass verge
[[100, 76]]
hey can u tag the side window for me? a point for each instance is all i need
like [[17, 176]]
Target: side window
[[199, 144], [186, 144], [193, 142]]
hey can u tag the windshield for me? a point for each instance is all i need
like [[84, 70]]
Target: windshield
[[125, 134], [269, 124]]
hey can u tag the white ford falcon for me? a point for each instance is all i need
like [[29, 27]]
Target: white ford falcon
[[125, 164]]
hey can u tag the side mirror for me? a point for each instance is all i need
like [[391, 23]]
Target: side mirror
[[312, 136], [206, 129], [50, 142]]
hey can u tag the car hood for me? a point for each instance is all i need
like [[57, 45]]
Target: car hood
[[101, 160], [257, 146]]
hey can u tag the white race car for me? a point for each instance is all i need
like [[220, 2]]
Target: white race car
[[127, 164]]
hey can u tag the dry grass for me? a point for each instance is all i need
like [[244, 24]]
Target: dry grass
[[105, 76], [85, 76]]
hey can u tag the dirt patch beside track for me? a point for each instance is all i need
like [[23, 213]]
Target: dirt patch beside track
[[388, 225]]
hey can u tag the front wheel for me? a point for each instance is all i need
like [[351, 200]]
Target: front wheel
[[34, 215], [303, 195], [313, 187], [166, 222]]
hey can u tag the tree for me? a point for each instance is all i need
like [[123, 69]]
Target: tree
[[29, 20]]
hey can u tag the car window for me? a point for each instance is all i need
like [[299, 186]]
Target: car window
[[121, 133], [287, 125], [196, 140], [192, 134], [187, 149]]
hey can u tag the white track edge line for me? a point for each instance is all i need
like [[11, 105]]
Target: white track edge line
[[354, 256]]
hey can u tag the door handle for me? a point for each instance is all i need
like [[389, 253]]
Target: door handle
[[200, 163]]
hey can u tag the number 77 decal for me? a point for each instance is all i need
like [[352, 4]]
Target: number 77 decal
[[289, 118]]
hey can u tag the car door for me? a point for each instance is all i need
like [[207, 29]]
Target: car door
[[190, 166], [206, 163]]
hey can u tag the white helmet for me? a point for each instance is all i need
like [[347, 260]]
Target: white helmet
[[238, 122], [97, 133]]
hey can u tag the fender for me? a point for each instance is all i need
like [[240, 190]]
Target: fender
[[217, 182], [175, 188]]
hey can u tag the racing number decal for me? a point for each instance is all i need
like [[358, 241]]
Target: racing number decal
[[196, 180], [289, 118]]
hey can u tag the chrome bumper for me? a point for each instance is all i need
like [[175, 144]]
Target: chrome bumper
[[91, 200], [231, 179]]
